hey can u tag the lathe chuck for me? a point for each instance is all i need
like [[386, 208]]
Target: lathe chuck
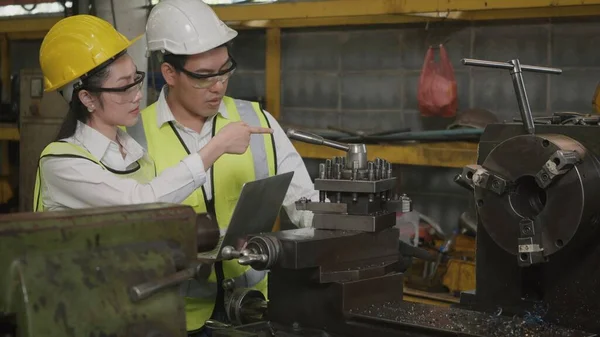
[[535, 194]]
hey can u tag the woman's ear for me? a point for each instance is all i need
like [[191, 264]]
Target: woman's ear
[[86, 98]]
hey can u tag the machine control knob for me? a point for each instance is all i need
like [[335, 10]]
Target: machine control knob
[[245, 257], [229, 253], [250, 259], [261, 252]]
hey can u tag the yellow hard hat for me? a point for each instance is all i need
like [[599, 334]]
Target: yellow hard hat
[[76, 45]]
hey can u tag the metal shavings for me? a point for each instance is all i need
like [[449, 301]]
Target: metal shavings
[[468, 323]]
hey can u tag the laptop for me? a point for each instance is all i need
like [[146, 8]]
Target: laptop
[[255, 212]]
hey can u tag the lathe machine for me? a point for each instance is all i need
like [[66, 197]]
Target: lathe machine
[[537, 192], [116, 271]]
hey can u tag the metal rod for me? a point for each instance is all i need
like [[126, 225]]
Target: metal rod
[[524, 107], [508, 65], [145, 290], [316, 139], [516, 72]]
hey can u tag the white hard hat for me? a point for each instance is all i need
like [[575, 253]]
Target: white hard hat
[[185, 27]]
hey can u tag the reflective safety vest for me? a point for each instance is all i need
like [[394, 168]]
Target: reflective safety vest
[[229, 173], [143, 173]]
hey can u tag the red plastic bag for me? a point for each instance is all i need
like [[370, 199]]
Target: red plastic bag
[[437, 86]]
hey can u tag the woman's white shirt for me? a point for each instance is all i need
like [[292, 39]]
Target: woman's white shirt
[[70, 183]]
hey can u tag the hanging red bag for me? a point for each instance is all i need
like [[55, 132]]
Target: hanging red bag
[[437, 94]]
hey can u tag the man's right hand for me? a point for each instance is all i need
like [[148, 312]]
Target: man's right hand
[[234, 138]]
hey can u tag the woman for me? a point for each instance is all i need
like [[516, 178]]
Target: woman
[[95, 163]]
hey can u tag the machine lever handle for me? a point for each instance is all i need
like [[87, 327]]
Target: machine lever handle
[[516, 72], [229, 253], [509, 65], [245, 257], [249, 259], [311, 138], [145, 290]]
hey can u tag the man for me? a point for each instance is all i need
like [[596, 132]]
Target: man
[[192, 107]]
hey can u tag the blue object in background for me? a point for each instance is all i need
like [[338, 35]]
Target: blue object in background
[[156, 80]]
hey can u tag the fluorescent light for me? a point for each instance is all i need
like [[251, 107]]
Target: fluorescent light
[[42, 8]]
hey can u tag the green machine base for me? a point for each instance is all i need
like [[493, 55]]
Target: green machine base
[[99, 272]]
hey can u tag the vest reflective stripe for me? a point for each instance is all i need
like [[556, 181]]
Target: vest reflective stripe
[[264, 160], [143, 173], [269, 142], [229, 174]]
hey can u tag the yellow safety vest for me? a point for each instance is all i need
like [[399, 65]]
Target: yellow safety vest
[[229, 174], [143, 173]]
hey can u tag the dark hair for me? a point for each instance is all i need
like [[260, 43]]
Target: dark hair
[[178, 61], [77, 110]]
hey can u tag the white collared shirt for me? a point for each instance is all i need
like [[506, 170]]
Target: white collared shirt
[[288, 159], [70, 183]]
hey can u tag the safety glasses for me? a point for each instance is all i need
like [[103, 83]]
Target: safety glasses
[[125, 94], [204, 81]]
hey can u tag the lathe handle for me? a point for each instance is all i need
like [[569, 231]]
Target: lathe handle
[[316, 139], [516, 72], [508, 65], [145, 290], [245, 257], [200, 270]]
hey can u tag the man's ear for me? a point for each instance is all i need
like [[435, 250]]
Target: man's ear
[[169, 73], [86, 98]]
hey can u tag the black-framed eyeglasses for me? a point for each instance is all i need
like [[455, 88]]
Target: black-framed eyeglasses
[[123, 94], [203, 81]]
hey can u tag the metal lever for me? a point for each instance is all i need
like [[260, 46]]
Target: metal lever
[[145, 290], [249, 259], [354, 152], [509, 66], [245, 257], [229, 253], [316, 139], [516, 72]]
